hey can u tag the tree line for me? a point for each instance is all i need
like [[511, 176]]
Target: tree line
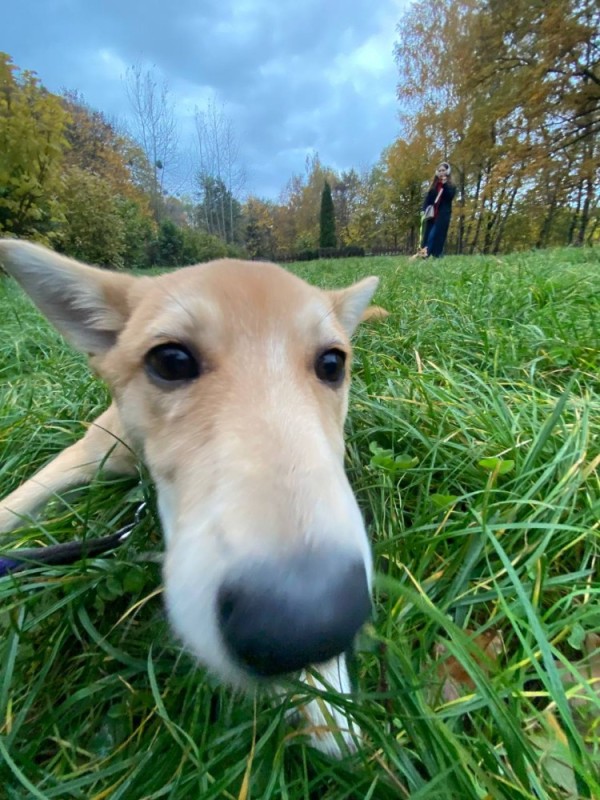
[[508, 93], [71, 179]]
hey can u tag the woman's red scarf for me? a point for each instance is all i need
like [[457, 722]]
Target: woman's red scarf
[[438, 198]]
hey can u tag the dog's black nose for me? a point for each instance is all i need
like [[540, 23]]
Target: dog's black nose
[[277, 618]]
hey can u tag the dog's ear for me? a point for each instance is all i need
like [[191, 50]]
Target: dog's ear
[[88, 305], [350, 304]]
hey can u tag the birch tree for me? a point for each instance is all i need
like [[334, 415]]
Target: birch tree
[[154, 128], [220, 177]]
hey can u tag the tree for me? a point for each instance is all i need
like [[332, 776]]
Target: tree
[[346, 193], [167, 250], [519, 129], [155, 128], [67, 176], [179, 246], [32, 149], [200, 246], [259, 238], [94, 228], [297, 214], [551, 101], [327, 219], [220, 177], [112, 163], [97, 145], [139, 232], [398, 185], [218, 212]]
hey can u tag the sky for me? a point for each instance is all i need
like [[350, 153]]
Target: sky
[[294, 78]]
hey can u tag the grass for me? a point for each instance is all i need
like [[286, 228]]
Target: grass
[[473, 447]]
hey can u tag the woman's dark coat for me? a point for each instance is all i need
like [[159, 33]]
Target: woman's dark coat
[[442, 219]]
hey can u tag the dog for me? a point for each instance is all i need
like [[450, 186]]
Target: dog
[[230, 382], [421, 253]]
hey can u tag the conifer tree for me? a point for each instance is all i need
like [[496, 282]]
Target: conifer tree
[[327, 228]]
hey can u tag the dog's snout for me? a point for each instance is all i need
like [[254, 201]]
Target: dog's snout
[[277, 618]]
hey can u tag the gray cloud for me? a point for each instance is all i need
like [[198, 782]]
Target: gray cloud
[[294, 77]]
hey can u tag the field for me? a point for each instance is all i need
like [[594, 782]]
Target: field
[[473, 448]]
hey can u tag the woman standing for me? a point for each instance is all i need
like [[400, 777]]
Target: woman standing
[[439, 197]]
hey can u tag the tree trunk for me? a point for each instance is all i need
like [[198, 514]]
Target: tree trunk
[[461, 218], [575, 214], [585, 212], [502, 225], [469, 226], [542, 240]]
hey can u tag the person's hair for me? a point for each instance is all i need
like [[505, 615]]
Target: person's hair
[[434, 180]]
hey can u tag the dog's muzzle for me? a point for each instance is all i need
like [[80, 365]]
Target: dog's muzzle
[[278, 617]]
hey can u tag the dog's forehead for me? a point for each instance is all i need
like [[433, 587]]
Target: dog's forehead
[[235, 296]]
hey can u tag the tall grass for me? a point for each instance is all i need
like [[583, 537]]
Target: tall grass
[[473, 447]]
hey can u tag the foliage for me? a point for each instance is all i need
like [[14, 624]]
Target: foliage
[[155, 130], [167, 249], [32, 145], [139, 232], [372, 209], [351, 251], [347, 195], [94, 229], [96, 146], [218, 212], [404, 165], [220, 177], [178, 247], [297, 215], [473, 447], [67, 175], [259, 228], [108, 216], [327, 236], [200, 246], [520, 131]]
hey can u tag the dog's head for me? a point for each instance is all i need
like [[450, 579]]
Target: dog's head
[[231, 380]]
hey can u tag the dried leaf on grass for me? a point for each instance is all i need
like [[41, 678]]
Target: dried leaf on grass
[[454, 680]]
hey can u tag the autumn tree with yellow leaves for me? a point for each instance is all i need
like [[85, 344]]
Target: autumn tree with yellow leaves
[[509, 94], [32, 145]]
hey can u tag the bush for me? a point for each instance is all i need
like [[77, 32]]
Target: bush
[[353, 251], [200, 246], [237, 251], [94, 229], [305, 255], [139, 233], [180, 247], [167, 249]]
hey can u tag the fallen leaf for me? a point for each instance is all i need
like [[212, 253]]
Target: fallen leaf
[[454, 680]]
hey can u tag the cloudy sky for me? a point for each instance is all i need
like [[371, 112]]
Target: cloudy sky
[[294, 77]]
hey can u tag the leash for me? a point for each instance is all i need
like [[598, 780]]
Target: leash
[[68, 552]]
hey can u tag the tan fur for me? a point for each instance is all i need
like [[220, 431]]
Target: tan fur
[[248, 458], [374, 314], [103, 445]]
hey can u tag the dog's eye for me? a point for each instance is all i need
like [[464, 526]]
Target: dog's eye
[[330, 366], [171, 362]]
